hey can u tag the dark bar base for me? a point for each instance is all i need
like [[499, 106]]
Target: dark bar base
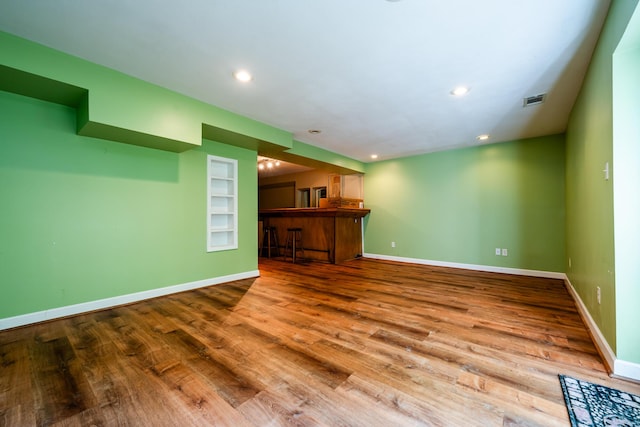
[[331, 234]]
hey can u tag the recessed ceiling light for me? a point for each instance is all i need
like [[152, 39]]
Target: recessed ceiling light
[[460, 91], [374, 156], [243, 76], [314, 131], [482, 137]]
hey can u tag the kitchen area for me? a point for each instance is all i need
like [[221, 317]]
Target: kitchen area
[[308, 214]]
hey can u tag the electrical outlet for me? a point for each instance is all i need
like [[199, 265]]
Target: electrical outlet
[[393, 244], [505, 252], [599, 295], [569, 262], [498, 251]]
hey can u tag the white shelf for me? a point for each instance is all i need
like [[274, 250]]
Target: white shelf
[[221, 168], [222, 204], [222, 240]]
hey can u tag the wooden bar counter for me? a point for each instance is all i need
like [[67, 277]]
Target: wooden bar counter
[[328, 234]]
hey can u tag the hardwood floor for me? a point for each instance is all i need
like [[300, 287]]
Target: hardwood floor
[[366, 343]]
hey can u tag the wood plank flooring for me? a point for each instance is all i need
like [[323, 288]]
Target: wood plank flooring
[[366, 343]]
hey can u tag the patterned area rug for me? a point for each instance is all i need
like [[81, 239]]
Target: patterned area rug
[[595, 405]]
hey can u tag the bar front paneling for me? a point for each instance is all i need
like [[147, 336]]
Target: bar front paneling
[[328, 234]]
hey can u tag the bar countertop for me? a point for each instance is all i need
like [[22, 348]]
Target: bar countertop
[[327, 212]]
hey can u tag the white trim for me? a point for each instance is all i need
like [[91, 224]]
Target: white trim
[[70, 310], [619, 368], [599, 340], [624, 369], [477, 267]]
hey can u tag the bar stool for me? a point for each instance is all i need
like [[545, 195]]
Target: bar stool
[[294, 241], [270, 241]]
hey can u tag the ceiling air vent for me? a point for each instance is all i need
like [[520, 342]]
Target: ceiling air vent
[[534, 100]]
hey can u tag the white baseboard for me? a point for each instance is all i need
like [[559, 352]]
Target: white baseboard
[[599, 340], [626, 369], [70, 310], [617, 367], [476, 267]]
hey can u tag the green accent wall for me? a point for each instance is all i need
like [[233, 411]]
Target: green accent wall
[[458, 206], [85, 219], [590, 213], [104, 181]]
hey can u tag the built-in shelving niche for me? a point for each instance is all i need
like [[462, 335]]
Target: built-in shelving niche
[[222, 204]]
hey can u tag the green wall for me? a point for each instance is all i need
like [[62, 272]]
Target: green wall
[[590, 217], [85, 219], [458, 206]]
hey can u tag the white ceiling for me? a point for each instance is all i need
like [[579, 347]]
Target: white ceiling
[[375, 76]]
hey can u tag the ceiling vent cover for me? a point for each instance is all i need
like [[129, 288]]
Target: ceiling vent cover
[[534, 100]]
